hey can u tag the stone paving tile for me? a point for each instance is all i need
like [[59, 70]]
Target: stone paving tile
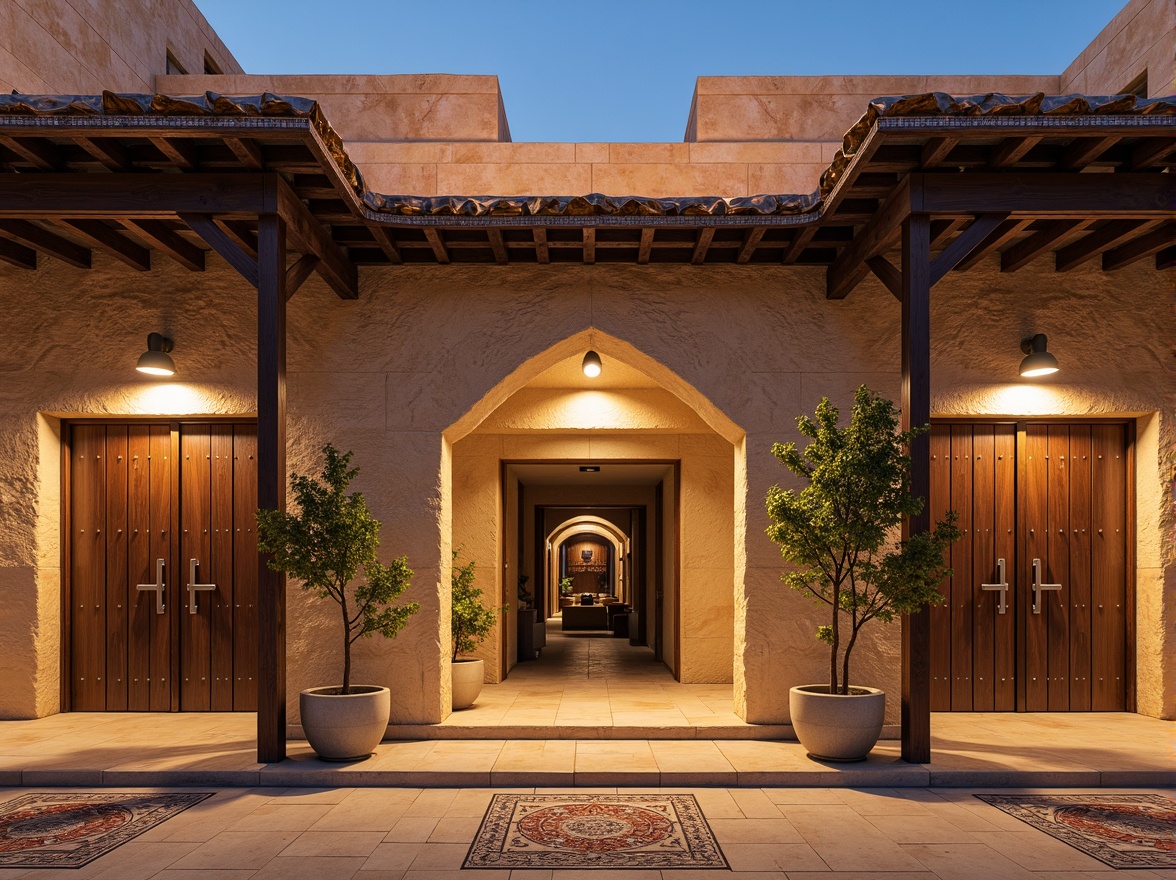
[[310, 868], [237, 849], [773, 857], [846, 840], [967, 861], [334, 843]]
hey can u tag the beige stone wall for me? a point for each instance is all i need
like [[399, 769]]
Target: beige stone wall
[[1141, 38], [62, 47], [442, 343]]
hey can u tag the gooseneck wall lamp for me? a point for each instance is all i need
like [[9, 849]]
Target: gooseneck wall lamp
[[156, 361], [592, 365], [1038, 361]]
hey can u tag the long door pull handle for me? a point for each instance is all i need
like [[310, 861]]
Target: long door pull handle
[[157, 587], [194, 587], [1039, 587], [1002, 587]]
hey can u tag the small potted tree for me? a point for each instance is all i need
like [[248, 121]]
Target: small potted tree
[[565, 591], [470, 622], [838, 533], [325, 544]]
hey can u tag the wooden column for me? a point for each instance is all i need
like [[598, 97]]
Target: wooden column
[[916, 411], [271, 483]]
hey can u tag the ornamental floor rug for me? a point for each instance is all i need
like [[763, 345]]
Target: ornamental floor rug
[[69, 830], [594, 831], [1121, 830]]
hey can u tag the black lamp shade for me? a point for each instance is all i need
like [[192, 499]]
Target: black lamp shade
[[1038, 361], [156, 361]]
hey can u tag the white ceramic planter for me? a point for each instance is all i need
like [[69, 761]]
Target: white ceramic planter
[[837, 727], [344, 728], [467, 682]]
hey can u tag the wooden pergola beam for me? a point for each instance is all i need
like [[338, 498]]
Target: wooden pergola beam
[[702, 245], [112, 242], [221, 242], [539, 236], [966, 242], [936, 149], [1090, 246], [41, 239], [1082, 151], [887, 274], [161, 236], [1166, 259], [39, 153], [17, 255], [1049, 194], [437, 244], [1029, 249], [297, 273], [247, 151], [751, 240], [387, 243], [110, 153], [1011, 150], [589, 245], [1141, 247], [305, 229], [799, 242], [999, 236], [116, 196], [849, 268], [180, 153], [646, 246], [494, 236]]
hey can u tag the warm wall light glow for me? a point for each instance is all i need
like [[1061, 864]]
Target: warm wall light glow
[[1025, 400], [592, 365], [171, 399]]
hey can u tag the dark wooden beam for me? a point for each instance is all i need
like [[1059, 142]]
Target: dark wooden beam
[[179, 152], [1011, 150], [943, 229], [1166, 259], [17, 255], [887, 274], [111, 241], [166, 239], [494, 236], [916, 411], [1056, 194], [751, 240], [1081, 151], [646, 246], [1144, 246], [39, 153], [589, 245], [387, 242], [271, 484], [298, 272], [109, 153], [242, 232], [220, 241], [849, 268], [1029, 249], [936, 150], [1002, 234], [799, 242], [437, 244], [248, 153], [113, 196], [1151, 152], [542, 254], [306, 230], [966, 242], [1101, 240], [34, 236], [702, 245]]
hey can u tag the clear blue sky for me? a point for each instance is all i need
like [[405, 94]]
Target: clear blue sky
[[624, 70]]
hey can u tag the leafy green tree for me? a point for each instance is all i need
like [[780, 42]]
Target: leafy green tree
[[837, 529], [470, 620], [325, 544]]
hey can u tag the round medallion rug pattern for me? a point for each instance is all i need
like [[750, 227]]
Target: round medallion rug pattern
[[1121, 830], [43, 830], [594, 831]]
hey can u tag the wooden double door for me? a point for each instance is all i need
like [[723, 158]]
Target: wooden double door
[[161, 561], [1036, 616]]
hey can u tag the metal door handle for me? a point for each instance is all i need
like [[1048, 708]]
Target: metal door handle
[[194, 587], [157, 586], [1039, 587], [1003, 587]]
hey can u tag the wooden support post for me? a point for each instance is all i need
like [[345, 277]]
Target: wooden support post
[[271, 483], [916, 411]]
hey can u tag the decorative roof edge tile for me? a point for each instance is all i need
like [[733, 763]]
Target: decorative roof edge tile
[[926, 105]]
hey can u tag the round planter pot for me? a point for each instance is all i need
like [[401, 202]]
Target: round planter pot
[[344, 728], [467, 682], [837, 727]]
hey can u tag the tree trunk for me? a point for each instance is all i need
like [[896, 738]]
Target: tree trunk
[[836, 640], [346, 649], [845, 662]]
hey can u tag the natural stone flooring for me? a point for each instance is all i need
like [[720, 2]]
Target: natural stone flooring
[[423, 834]]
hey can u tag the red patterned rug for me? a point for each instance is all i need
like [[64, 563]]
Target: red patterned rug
[[594, 831], [1121, 830], [43, 830]]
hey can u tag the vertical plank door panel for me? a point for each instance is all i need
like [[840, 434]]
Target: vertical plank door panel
[[1108, 569], [984, 568], [1056, 568], [196, 514], [87, 568], [220, 568], [140, 569], [245, 568], [1005, 546], [939, 503], [1034, 522], [117, 590], [1078, 588], [163, 545], [961, 579]]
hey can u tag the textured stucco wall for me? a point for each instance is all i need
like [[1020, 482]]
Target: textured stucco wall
[[744, 347]]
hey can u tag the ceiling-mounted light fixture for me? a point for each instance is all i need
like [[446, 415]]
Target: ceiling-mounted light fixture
[[1038, 361], [592, 365], [589, 468], [156, 361]]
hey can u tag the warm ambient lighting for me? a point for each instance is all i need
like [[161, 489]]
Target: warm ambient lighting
[[592, 365], [1038, 361], [156, 361]]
